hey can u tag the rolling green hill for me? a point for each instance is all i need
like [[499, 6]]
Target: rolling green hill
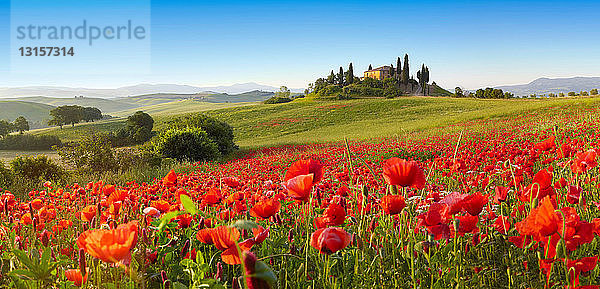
[[105, 105], [36, 113], [309, 120]]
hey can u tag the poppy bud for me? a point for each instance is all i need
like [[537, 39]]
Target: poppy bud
[[357, 241], [392, 189], [82, 262], [278, 220], [534, 203], [144, 236], [163, 276], [290, 236], [45, 238], [185, 248], [365, 191], [560, 249], [372, 225], [201, 223], [167, 284], [219, 273], [456, 224]]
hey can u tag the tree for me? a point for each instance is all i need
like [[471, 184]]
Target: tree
[[331, 78], [370, 67], [571, 93], [66, 114], [5, 128], [20, 124], [405, 70], [584, 93], [562, 94], [594, 91], [283, 92], [91, 114], [340, 77], [423, 77], [350, 74], [458, 92], [398, 67]]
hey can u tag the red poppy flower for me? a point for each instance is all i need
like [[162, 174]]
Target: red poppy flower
[[265, 209], [330, 240], [170, 179], [454, 201], [110, 246], [299, 187], [502, 225], [540, 187], [305, 167], [584, 161], [88, 213], [541, 221], [474, 203], [501, 194], [467, 224], [74, 275], [225, 239], [205, 236], [334, 215], [403, 173], [37, 204], [393, 204]]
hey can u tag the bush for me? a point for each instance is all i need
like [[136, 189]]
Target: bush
[[93, 153], [218, 131], [5, 176], [138, 130], [192, 144], [277, 99], [36, 168], [29, 142], [365, 91]]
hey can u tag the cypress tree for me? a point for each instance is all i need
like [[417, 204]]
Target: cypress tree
[[405, 70], [392, 70], [350, 77], [341, 77], [398, 67], [331, 78], [370, 67]]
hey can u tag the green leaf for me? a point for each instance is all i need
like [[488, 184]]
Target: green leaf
[[199, 258], [262, 271], [166, 218], [177, 285], [188, 204], [23, 274], [23, 258], [187, 263], [245, 224]]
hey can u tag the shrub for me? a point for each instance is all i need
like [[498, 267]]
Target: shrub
[[93, 152], [138, 130], [277, 99], [29, 142], [189, 143], [594, 91], [36, 168], [218, 131], [5, 176], [365, 91]]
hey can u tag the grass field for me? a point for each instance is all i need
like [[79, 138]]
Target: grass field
[[319, 121], [34, 112]]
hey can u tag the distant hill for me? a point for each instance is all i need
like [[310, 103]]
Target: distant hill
[[554, 85], [105, 105], [36, 113], [140, 89]]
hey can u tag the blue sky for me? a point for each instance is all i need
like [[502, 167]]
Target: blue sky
[[470, 44]]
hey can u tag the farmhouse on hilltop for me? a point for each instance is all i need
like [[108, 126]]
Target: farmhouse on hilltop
[[379, 73]]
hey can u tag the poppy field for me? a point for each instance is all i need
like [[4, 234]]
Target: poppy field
[[502, 203]]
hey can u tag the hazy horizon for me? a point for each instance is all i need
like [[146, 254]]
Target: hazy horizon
[[471, 45]]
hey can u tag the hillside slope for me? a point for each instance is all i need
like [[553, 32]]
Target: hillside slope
[[554, 85], [36, 113]]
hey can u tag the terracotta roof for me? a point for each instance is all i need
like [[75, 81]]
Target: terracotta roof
[[385, 67]]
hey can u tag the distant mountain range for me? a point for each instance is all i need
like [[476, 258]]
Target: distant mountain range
[[135, 90], [554, 85]]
